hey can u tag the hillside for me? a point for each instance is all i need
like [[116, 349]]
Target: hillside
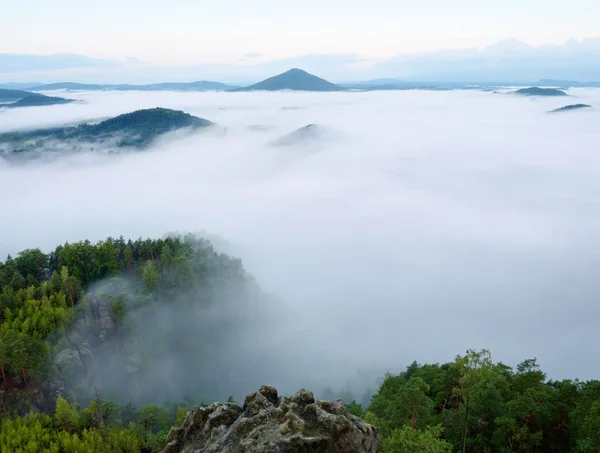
[[12, 95], [203, 85], [35, 100], [104, 346], [18, 85], [294, 79], [136, 129], [69, 86], [147, 122], [20, 98], [568, 83], [568, 108], [166, 86], [536, 91], [302, 135]]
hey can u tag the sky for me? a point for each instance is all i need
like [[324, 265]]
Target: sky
[[417, 225], [199, 37]]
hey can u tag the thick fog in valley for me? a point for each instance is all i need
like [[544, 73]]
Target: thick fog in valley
[[409, 225]]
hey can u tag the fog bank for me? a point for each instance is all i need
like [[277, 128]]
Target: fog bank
[[424, 224]]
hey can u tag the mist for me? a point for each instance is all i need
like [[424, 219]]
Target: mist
[[420, 225]]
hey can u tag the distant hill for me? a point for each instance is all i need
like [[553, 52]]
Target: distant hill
[[19, 98], [301, 135], [186, 86], [12, 95], [136, 129], [536, 91], [294, 79], [166, 86], [567, 83], [68, 86], [34, 100], [18, 85], [567, 108], [396, 84]]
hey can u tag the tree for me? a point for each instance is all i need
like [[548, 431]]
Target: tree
[[65, 415], [408, 440], [129, 414], [128, 257], [413, 398], [70, 284], [32, 262], [474, 367], [354, 408], [27, 354], [150, 277], [118, 311], [589, 440], [154, 417], [4, 356]]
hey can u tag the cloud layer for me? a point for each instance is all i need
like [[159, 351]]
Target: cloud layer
[[420, 225], [508, 61]]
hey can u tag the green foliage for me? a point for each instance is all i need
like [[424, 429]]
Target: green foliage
[[34, 100], [136, 129], [68, 431], [570, 107], [118, 310], [476, 405], [181, 413], [66, 416], [407, 440], [151, 277], [154, 418], [537, 91], [471, 404], [354, 408], [589, 440], [42, 295]]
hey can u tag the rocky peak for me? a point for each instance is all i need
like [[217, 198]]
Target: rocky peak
[[270, 423]]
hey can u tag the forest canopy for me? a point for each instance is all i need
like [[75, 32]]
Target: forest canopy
[[69, 315]]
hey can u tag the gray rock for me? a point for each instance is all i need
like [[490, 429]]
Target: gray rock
[[269, 423], [68, 362]]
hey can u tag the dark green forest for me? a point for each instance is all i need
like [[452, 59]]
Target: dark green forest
[[570, 107], [73, 318], [18, 98], [537, 91], [37, 100], [135, 129]]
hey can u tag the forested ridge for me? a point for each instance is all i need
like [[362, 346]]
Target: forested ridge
[[19, 98], [71, 318], [130, 130], [65, 316], [476, 405]]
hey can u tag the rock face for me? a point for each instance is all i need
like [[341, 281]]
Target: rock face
[[269, 423]]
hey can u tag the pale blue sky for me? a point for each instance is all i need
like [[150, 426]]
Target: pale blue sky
[[186, 32]]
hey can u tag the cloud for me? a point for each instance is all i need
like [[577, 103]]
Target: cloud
[[437, 222], [15, 63], [247, 70], [508, 61], [505, 61]]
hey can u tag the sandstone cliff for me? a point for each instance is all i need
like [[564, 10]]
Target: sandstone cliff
[[269, 423]]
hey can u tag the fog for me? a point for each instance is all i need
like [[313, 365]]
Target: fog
[[420, 225]]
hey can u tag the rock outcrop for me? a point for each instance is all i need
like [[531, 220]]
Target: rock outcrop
[[269, 423]]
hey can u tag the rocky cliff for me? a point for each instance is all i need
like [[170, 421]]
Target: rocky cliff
[[269, 423]]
